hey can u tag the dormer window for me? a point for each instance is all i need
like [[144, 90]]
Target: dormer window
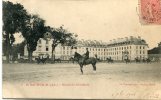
[[39, 41]]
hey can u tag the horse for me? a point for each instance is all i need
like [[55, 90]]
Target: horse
[[127, 60], [148, 60], [144, 60], [80, 59], [43, 60], [109, 60], [137, 60], [157, 59], [58, 60]]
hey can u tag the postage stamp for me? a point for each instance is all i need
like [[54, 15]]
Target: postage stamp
[[150, 11]]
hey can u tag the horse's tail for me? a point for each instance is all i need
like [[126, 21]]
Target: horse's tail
[[96, 58]]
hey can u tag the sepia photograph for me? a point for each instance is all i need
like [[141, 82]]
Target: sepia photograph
[[81, 49]]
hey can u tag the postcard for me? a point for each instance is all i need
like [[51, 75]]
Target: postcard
[[81, 49]]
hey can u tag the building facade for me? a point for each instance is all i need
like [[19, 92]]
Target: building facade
[[117, 49]]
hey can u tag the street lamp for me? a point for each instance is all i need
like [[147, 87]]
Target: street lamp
[[125, 54]]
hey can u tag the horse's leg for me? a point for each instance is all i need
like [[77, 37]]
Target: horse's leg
[[81, 68], [94, 68]]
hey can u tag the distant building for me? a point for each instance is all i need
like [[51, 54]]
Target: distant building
[[117, 49], [128, 47], [159, 44]]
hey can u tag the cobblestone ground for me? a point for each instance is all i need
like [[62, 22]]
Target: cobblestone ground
[[110, 81]]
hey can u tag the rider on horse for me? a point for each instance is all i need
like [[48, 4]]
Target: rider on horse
[[86, 55]]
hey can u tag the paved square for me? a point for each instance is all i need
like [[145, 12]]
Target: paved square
[[118, 80]]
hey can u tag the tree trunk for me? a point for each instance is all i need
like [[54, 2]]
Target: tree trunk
[[53, 54], [30, 56], [7, 47]]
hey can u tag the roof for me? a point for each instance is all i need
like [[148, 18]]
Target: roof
[[114, 42]]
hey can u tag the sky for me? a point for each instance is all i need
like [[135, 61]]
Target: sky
[[95, 19]]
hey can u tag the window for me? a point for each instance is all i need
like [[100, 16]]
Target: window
[[47, 48], [136, 47], [143, 47], [140, 47], [47, 42]]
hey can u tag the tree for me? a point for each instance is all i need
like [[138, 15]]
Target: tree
[[61, 36], [14, 16], [32, 31], [19, 48], [159, 46], [155, 50]]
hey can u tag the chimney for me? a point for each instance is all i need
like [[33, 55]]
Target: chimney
[[114, 40], [131, 38], [121, 39], [126, 38], [110, 41]]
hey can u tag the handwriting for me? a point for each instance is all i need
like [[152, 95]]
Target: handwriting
[[127, 94]]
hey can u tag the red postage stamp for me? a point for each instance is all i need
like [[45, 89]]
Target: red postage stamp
[[150, 11]]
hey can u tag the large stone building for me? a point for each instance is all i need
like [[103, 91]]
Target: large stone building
[[117, 49]]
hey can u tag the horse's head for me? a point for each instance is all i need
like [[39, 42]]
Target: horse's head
[[77, 55]]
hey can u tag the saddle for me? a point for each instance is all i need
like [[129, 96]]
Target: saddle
[[85, 57]]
